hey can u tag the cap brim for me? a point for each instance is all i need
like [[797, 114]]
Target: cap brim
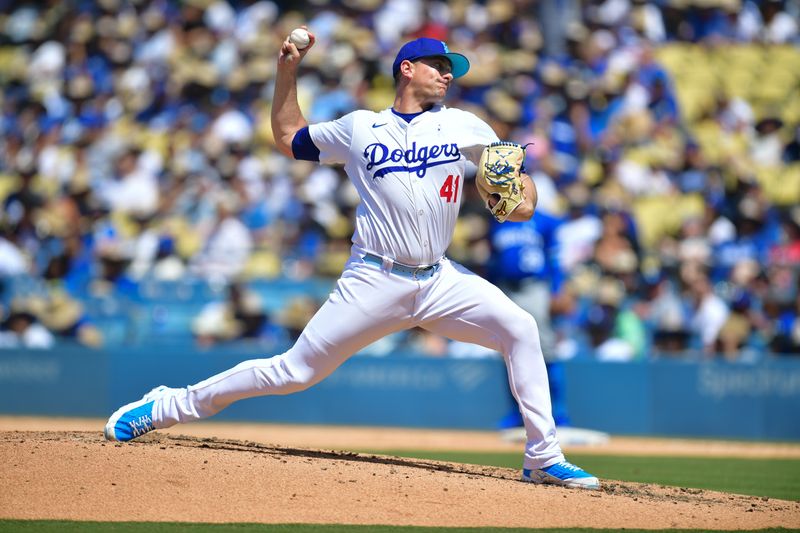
[[460, 64]]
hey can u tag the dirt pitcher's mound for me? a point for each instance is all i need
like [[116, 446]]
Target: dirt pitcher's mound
[[79, 476]]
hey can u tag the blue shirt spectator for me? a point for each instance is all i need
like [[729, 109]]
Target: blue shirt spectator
[[527, 250]]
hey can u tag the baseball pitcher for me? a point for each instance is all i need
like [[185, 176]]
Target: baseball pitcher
[[408, 164]]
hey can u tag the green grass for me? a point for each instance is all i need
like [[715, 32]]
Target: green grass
[[48, 526], [775, 478]]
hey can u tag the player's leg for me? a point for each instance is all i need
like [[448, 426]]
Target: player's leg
[[367, 304], [463, 306], [534, 296]]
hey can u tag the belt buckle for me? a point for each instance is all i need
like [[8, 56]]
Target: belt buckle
[[424, 269]]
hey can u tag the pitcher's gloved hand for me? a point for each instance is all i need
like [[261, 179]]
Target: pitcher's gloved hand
[[499, 178]]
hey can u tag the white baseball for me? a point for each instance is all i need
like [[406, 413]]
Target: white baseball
[[299, 37]]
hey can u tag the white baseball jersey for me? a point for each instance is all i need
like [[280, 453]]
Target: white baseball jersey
[[410, 176]]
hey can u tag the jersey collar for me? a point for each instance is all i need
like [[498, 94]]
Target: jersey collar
[[422, 116]]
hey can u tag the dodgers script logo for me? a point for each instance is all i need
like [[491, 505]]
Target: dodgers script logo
[[414, 160]]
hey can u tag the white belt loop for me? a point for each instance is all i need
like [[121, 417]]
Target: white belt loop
[[387, 264]]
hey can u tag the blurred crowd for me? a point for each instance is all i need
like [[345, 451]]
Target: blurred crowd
[[135, 145]]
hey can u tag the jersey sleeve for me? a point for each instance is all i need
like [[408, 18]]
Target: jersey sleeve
[[478, 135], [303, 148], [333, 139]]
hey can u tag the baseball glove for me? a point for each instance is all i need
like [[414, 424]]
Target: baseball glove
[[499, 178]]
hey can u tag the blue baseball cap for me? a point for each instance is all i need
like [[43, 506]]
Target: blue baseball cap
[[425, 47]]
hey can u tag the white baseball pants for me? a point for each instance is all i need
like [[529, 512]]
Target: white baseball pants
[[368, 303]]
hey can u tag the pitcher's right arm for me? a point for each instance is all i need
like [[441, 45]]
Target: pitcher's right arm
[[286, 117]]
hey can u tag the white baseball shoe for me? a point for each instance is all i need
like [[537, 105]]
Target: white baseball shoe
[[134, 419], [565, 474]]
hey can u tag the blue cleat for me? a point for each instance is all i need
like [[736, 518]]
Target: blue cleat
[[565, 474], [134, 419]]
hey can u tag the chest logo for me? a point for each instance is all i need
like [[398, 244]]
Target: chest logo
[[417, 159]]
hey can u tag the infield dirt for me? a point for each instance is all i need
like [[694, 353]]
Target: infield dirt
[[76, 475]]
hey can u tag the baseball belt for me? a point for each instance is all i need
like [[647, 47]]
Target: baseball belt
[[407, 271]]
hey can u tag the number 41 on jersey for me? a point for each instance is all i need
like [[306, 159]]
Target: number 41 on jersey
[[449, 188]]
